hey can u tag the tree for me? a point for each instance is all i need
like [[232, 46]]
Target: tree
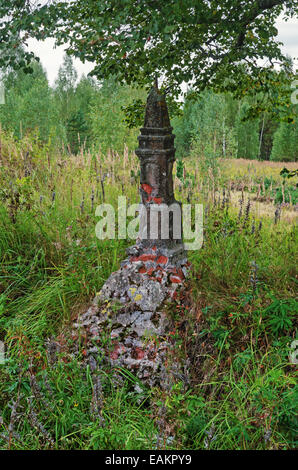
[[85, 92], [268, 127], [65, 89], [29, 104], [77, 131], [205, 42], [106, 116], [285, 143], [208, 121], [78, 120], [247, 134]]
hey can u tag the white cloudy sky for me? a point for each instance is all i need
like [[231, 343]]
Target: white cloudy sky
[[52, 58]]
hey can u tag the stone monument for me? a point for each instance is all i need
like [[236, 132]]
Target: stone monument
[[156, 265]]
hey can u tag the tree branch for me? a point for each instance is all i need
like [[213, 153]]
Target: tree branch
[[267, 4], [252, 15]]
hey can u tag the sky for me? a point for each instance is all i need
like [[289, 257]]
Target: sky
[[51, 58]]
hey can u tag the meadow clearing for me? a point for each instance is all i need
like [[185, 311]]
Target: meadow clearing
[[239, 390]]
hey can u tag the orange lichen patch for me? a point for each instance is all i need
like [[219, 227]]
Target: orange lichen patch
[[142, 270], [119, 348], [180, 273], [175, 279], [114, 354], [147, 188], [138, 353], [162, 259], [159, 268], [146, 257], [157, 200]]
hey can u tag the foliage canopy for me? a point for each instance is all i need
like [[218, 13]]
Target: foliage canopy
[[201, 42]]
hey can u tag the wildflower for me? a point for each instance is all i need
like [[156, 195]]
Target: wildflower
[[97, 400], [241, 206], [253, 226], [277, 214], [82, 204], [224, 200], [33, 418], [254, 276], [92, 199], [247, 209]]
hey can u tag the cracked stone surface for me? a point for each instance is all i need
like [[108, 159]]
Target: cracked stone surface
[[129, 313]]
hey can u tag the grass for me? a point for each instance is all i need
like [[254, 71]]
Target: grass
[[233, 326]]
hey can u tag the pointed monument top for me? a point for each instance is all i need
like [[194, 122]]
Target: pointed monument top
[[156, 114]]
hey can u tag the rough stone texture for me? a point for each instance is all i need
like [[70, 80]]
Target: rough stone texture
[[127, 320], [127, 316], [146, 279]]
